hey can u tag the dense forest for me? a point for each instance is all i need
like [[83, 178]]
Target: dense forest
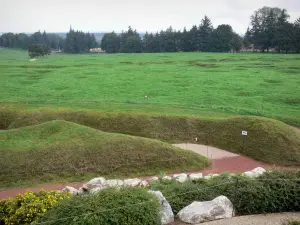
[[269, 29]]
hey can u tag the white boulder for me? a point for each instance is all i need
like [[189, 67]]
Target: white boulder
[[72, 190], [132, 182], [96, 182], [198, 212], [97, 189], [144, 184], [255, 172], [166, 212], [114, 183], [166, 178], [181, 178], [152, 179], [196, 176]]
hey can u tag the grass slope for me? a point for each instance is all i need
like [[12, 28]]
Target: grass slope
[[245, 84], [59, 149], [268, 140]]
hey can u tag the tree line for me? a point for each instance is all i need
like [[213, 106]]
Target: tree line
[[23, 41], [75, 42], [269, 29]]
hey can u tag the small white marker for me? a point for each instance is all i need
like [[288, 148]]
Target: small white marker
[[244, 133], [196, 139]]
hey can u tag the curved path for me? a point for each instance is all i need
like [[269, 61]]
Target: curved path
[[221, 161]]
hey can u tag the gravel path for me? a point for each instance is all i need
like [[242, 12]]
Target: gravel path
[[207, 151], [268, 219]]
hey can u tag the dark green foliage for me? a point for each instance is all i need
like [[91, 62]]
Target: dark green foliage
[[38, 50], [292, 222], [270, 193], [79, 42], [110, 206], [221, 38], [110, 42]]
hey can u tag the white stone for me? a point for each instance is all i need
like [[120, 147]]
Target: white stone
[[73, 191], [132, 182], [144, 184], [207, 176], [198, 212], [153, 179], [255, 172], [97, 189], [96, 182], [166, 178], [196, 176], [259, 171], [215, 175], [181, 178], [31, 60], [166, 212], [114, 183]]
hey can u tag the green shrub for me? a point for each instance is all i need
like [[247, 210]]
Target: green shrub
[[110, 206], [26, 208], [272, 192]]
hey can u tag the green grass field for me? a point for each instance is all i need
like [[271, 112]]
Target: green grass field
[[199, 84]]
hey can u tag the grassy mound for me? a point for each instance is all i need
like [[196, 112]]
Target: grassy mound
[[268, 140], [60, 148]]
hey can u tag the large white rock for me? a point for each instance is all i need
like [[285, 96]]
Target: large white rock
[[132, 182], [73, 191], [97, 189], [255, 172], [196, 176], [166, 178], [114, 183], [96, 182], [166, 213], [144, 183], [181, 178], [198, 212]]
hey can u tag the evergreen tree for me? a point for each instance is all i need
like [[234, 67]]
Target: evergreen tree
[[205, 32], [236, 43], [193, 37], [110, 42], [221, 38]]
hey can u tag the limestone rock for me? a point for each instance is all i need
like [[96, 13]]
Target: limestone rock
[[255, 172], [97, 189], [166, 178], [144, 184], [96, 182], [132, 182], [114, 183], [73, 191], [166, 212], [198, 212], [181, 178], [195, 176]]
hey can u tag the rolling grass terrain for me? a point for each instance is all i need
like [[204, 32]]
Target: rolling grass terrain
[[175, 83], [268, 140], [58, 149]]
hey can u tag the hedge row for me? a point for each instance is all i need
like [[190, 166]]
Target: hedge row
[[270, 193]]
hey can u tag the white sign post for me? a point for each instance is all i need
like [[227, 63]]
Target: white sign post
[[244, 133]]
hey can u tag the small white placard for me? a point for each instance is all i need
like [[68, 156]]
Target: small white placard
[[245, 133]]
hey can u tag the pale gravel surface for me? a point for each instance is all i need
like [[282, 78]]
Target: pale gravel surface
[[207, 151], [268, 219]]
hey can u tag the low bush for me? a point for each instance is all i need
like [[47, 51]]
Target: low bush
[[270, 193], [292, 222], [26, 208], [110, 206]]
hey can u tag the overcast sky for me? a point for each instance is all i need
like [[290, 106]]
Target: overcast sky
[[150, 15]]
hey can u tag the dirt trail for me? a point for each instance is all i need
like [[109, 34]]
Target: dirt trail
[[221, 161]]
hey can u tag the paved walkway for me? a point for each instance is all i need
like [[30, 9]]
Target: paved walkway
[[207, 151]]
